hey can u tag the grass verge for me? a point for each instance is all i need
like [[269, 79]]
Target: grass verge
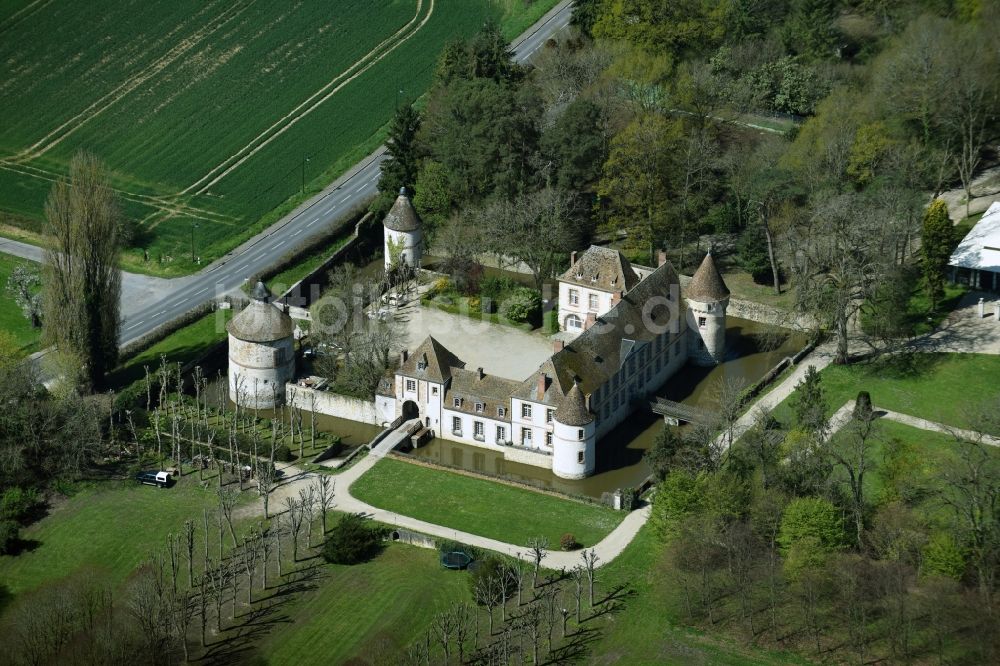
[[11, 318], [480, 506]]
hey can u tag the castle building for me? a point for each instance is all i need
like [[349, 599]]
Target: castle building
[[638, 336], [403, 236], [261, 352]]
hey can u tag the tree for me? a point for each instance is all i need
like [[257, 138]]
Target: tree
[[852, 451], [324, 497], [22, 285], [814, 520], [590, 560], [810, 27], [575, 146], [539, 547], [399, 169], [810, 405], [352, 540], [660, 456], [82, 281], [937, 240], [636, 178]]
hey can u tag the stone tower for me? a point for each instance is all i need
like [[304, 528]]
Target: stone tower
[[574, 437], [707, 298], [403, 235], [261, 352]]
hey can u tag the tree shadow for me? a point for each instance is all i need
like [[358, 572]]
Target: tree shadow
[[576, 648]]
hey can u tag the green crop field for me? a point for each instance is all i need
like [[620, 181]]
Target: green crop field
[[211, 113]]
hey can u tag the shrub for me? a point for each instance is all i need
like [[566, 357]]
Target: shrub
[[568, 542], [9, 536], [283, 453], [630, 498], [523, 305], [440, 286], [449, 546], [17, 503], [813, 519], [352, 540]]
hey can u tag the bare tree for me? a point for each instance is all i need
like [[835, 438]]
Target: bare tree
[[590, 560], [324, 496], [539, 550], [189, 546], [443, 626], [248, 558], [295, 523], [307, 502], [852, 450], [577, 574], [227, 500], [173, 552]]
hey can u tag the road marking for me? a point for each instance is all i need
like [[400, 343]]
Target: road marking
[[344, 199], [134, 325], [297, 233], [201, 292], [361, 187], [160, 312], [242, 267], [312, 222]]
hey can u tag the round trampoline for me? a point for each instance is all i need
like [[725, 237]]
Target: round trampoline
[[456, 559]]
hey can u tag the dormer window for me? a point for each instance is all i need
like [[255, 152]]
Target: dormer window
[[501, 412], [479, 408], [457, 402], [421, 365]]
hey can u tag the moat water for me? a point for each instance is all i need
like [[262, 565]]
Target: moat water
[[619, 453]]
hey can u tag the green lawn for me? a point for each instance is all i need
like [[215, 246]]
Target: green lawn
[[11, 318], [646, 630], [366, 610], [181, 346], [104, 530], [480, 506], [937, 387], [287, 97]]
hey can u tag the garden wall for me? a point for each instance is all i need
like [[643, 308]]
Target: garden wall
[[332, 404], [527, 457]]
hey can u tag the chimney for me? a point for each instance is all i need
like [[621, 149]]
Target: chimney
[[558, 345], [403, 355], [661, 258], [590, 320], [572, 258], [479, 373], [541, 385], [616, 296]]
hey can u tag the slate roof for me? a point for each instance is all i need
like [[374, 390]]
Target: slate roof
[[980, 249], [597, 353], [555, 389], [402, 216], [261, 321], [707, 283], [572, 409], [601, 268], [431, 361], [489, 390]]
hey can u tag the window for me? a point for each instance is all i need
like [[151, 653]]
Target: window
[[579, 457], [479, 408], [456, 425], [549, 413], [574, 322], [501, 434], [457, 402], [579, 434], [525, 437], [501, 412], [574, 297], [701, 322], [677, 348], [592, 302], [657, 363], [421, 365], [548, 439], [434, 390], [411, 385], [604, 412], [478, 431], [525, 410]]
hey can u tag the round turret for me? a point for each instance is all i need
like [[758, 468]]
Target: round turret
[[574, 435], [707, 299], [261, 352], [403, 233]]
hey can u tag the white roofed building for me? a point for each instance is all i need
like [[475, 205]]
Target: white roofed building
[[976, 260]]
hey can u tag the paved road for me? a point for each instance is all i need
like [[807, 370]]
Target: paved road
[[312, 218]]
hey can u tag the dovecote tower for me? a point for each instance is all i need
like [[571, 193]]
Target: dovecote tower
[[261, 352], [403, 233], [707, 299], [574, 437]]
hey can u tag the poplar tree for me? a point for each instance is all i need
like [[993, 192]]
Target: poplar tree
[[82, 282], [936, 240]]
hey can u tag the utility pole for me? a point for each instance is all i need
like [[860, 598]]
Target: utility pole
[[304, 160], [398, 93], [194, 225]]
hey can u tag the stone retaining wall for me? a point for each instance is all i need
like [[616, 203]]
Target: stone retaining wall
[[332, 404], [527, 457]]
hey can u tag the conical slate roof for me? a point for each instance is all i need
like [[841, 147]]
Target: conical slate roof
[[261, 321], [572, 410], [402, 216], [707, 283]]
